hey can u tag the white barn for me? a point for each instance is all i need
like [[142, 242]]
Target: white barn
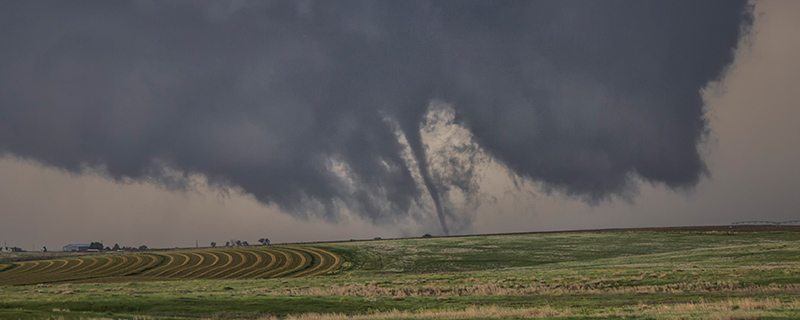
[[76, 247]]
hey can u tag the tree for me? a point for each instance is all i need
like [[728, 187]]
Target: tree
[[44, 249], [143, 247], [227, 243], [264, 241], [213, 244], [244, 243], [238, 243], [96, 245], [116, 247]]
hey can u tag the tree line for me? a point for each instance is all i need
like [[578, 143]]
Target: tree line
[[239, 243]]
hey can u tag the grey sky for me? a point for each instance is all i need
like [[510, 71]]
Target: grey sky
[[750, 153]]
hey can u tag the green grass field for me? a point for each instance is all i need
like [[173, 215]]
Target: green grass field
[[616, 275]]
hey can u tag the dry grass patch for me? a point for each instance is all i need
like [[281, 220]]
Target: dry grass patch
[[469, 313], [738, 309], [496, 288]]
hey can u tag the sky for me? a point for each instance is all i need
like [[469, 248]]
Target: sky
[[174, 123]]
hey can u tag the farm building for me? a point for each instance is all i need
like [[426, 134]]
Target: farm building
[[76, 247]]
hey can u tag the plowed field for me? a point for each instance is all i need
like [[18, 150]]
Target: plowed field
[[222, 263]]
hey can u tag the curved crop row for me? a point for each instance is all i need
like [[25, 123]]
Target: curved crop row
[[297, 261], [176, 261], [222, 263], [324, 261], [197, 261], [251, 261], [78, 269], [268, 261]]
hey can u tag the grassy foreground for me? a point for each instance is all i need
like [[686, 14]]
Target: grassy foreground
[[622, 275]]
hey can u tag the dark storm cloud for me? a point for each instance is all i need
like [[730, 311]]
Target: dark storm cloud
[[270, 96]]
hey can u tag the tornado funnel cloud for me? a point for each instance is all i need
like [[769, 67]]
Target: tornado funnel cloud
[[414, 138], [437, 202]]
